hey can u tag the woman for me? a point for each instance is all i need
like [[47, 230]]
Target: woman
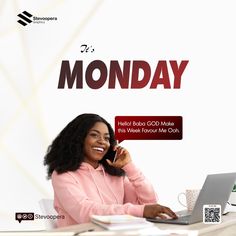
[[87, 180]]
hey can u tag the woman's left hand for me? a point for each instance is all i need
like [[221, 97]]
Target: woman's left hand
[[122, 157]]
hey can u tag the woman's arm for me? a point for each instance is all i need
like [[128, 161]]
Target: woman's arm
[[138, 189]]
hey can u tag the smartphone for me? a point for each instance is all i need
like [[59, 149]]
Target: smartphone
[[113, 154]]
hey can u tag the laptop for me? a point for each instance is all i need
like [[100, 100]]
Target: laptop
[[216, 190]]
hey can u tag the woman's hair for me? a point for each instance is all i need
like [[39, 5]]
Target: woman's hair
[[66, 151]]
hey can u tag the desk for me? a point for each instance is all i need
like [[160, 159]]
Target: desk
[[226, 228]]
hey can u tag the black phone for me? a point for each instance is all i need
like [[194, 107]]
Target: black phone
[[113, 156]]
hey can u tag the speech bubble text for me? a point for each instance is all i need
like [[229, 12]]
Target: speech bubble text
[[148, 128]]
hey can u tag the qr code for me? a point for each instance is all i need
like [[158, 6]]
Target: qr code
[[212, 214]]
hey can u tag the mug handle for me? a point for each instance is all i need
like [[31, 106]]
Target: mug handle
[[179, 200]]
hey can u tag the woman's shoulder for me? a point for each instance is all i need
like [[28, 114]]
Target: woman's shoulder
[[66, 176]]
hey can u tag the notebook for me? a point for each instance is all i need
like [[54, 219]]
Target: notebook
[[215, 191], [120, 222]]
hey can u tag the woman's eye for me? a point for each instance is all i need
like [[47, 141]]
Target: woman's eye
[[107, 138], [94, 135]]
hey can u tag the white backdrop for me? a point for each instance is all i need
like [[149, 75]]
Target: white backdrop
[[33, 111]]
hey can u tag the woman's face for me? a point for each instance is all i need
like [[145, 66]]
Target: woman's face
[[96, 143]]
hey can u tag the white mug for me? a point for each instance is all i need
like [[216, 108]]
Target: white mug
[[190, 196]]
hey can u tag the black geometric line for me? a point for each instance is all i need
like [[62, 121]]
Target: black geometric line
[[27, 13], [22, 22]]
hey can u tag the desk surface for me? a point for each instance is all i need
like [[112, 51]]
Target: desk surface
[[226, 228]]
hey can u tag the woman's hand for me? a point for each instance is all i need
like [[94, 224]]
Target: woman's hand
[[122, 157], [156, 210]]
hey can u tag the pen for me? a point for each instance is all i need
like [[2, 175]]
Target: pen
[[84, 231]]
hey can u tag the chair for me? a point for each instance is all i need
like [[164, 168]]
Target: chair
[[46, 206]]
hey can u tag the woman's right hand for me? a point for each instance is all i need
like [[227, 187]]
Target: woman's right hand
[[156, 210], [122, 157]]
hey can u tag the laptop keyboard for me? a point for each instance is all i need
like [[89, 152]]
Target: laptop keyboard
[[183, 218]]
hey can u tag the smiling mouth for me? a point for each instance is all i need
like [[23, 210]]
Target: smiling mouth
[[99, 149]]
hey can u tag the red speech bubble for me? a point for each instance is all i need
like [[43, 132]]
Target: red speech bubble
[[148, 128]]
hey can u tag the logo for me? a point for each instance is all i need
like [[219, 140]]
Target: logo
[[24, 216], [20, 216], [212, 214], [25, 18]]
